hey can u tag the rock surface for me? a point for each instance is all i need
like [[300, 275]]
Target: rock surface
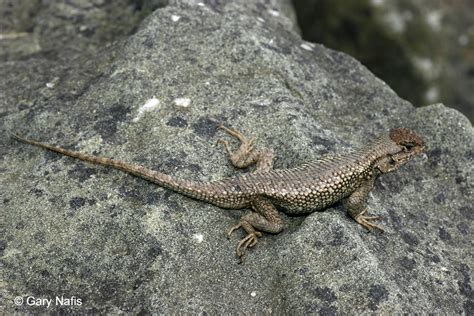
[[121, 244]]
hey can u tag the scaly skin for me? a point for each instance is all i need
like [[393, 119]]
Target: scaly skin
[[302, 190]]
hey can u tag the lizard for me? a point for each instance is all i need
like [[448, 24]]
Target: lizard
[[347, 177]]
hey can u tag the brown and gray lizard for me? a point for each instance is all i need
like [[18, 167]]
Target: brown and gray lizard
[[312, 186]]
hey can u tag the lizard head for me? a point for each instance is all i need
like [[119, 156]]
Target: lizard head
[[410, 144]]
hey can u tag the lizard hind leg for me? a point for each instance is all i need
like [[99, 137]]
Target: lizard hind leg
[[265, 218], [247, 155]]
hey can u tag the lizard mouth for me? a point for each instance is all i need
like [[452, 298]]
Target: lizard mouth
[[409, 151]]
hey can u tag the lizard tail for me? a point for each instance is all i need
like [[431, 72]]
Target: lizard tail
[[192, 189]]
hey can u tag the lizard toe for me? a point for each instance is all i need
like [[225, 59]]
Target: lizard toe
[[366, 222], [232, 229], [247, 242]]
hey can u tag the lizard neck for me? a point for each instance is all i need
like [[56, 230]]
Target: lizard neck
[[379, 149]]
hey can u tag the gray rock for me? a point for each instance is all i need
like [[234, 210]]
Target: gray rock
[[121, 244]]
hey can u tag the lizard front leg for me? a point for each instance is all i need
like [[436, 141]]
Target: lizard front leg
[[265, 218], [356, 205], [247, 155]]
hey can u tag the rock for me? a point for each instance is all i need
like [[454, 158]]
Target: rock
[[109, 242]]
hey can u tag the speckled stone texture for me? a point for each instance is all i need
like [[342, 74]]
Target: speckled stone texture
[[151, 97]]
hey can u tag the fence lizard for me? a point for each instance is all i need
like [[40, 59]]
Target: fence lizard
[[302, 190]]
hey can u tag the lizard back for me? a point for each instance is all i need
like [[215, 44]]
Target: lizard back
[[309, 187]]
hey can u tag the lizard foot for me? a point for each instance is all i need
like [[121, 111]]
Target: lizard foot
[[366, 221], [248, 241], [243, 156]]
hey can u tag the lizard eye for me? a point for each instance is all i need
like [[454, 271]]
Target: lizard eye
[[408, 146]]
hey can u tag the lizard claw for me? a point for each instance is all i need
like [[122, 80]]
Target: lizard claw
[[241, 137], [366, 221], [221, 141], [232, 132], [247, 242], [232, 229]]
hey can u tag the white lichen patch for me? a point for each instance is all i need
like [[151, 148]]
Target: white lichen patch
[[175, 18], [51, 84], [182, 102], [198, 237], [261, 102], [150, 105], [307, 46], [274, 12], [7, 36]]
